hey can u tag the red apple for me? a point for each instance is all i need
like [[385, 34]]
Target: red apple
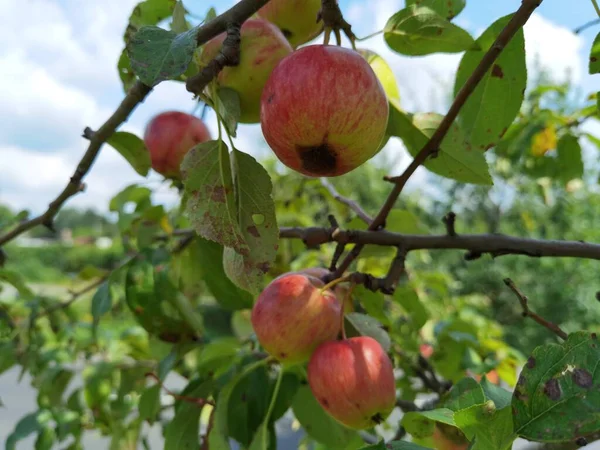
[[323, 111], [353, 380], [297, 19], [169, 136], [262, 47], [341, 290], [292, 316]]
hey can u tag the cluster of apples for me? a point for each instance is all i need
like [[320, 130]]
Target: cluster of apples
[[297, 320], [321, 108]]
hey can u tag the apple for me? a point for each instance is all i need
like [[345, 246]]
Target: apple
[[446, 437], [262, 47], [292, 316], [353, 380], [341, 290], [323, 111], [169, 136], [297, 19]]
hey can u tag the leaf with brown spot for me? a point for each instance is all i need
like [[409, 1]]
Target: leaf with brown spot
[[556, 400], [594, 66], [497, 99]]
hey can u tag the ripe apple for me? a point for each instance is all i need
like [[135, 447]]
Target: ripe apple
[[446, 437], [323, 111], [262, 47], [169, 136], [292, 316], [341, 290], [297, 19], [353, 380]]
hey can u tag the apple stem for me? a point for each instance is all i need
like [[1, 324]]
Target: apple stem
[[274, 396], [335, 282]]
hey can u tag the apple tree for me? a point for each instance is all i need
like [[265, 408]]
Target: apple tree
[[304, 286]]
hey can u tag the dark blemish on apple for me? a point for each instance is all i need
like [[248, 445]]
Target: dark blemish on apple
[[552, 389], [531, 362], [377, 418], [282, 355], [318, 160], [497, 71], [270, 99], [253, 231], [582, 378], [324, 402]]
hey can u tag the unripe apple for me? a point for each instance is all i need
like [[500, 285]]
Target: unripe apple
[[168, 138], [323, 111], [353, 380], [292, 316], [262, 47], [446, 437], [297, 19], [341, 290]]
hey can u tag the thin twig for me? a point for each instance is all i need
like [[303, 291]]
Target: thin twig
[[518, 20], [450, 221], [397, 269], [229, 55], [528, 313], [361, 213], [333, 20], [196, 401], [586, 25]]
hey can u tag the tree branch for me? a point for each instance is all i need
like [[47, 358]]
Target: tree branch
[[229, 55], [528, 313], [138, 92], [519, 19], [361, 213], [493, 244]]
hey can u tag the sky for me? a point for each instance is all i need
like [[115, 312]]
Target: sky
[[58, 60]]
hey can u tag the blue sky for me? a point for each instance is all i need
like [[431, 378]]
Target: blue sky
[[59, 75]]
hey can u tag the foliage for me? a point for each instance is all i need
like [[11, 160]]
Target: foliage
[[173, 296]]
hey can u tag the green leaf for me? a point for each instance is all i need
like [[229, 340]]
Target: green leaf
[[131, 194], [261, 438], [419, 30], [148, 12], [102, 301], [29, 424], [321, 426], [497, 99], [594, 66], [467, 392], [209, 255], [157, 54], [445, 8], [408, 298], [358, 324], [405, 222], [487, 427], [287, 392], [45, 439], [52, 383], [500, 396], [421, 424], [395, 445], [453, 160], [133, 149], [17, 281], [569, 158], [557, 396], [219, 436], [149, 404], [183, 431], [228, 105], [374, 304], [179, 24]]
